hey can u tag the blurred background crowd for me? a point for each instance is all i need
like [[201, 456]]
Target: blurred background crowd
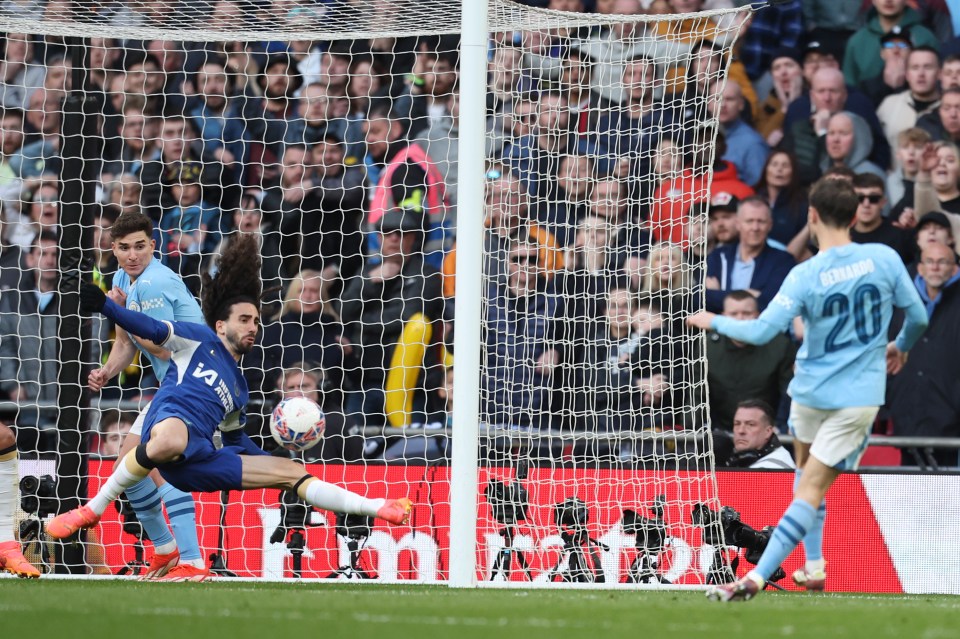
[[602, 228]]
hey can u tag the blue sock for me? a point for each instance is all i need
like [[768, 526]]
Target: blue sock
[[793, 527], [145, 500], [183, 519], [813, 540]]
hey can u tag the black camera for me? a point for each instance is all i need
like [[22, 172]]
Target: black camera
[[508, 501], [294, 515], [38, 495], [354, 526], [131, 523], [571, 514], [735, 532], [651, 533]]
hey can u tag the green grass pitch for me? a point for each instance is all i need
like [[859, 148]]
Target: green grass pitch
[[105, 609]]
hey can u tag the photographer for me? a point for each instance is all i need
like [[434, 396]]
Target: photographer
[[755, 442]]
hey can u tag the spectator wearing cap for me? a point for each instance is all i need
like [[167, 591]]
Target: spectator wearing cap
[[746, 149], [944, 123], [934, 227], [901, 111], [819, 54], [808, 117], [923, 397], [895, 46], [849, 143], [786, 74], [870, 226], [389, 312], [722, 213], [270, 116], [862, 59], [751, 264]]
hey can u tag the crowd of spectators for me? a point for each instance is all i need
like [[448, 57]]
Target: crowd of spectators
[[602, 226]]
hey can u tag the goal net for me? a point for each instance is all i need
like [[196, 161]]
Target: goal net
[[330, 130]]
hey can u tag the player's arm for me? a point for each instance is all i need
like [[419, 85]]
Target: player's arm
[[92, 299], [121, 356], [774, 320], [915, 321]]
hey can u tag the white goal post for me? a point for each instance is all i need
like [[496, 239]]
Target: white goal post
[[552, 172]]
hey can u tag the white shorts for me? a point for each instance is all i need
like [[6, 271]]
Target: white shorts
[[839, 437], [137, 427]]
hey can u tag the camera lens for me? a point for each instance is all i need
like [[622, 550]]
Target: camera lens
[[29, 485]]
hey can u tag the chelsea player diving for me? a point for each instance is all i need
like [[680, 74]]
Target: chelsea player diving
[[204, 390]]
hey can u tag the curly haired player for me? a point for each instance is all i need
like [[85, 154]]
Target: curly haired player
[[205, 390]]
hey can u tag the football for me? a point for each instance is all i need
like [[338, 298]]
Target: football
[[297, 423]]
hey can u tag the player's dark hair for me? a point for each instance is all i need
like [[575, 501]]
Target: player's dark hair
[[237, 280], [836, 202], [762, 405], [131, 222]]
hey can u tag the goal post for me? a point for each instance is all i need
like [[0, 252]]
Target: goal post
[[519, 368]]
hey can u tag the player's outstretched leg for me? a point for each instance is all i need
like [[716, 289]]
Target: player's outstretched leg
[[275, 472], [320, 494], [11, 555], [125, 475]]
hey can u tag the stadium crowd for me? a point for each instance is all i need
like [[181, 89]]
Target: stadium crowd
[[601, 229]]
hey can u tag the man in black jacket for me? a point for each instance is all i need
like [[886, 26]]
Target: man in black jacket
[[924, 399], [395, 299]]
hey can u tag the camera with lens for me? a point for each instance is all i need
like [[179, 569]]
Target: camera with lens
[[354, 526], [508, 501], [651, 533], [735, 532], [294, 515], [572, 514], [38, 495]]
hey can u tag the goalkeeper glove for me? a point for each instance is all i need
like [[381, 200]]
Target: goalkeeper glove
[[92, 299]]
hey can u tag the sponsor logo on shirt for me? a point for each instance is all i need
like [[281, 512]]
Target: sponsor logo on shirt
[[149, 305]]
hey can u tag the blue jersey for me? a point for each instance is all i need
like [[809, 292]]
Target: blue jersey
[[204, 385], [162, 295], [846, 296]]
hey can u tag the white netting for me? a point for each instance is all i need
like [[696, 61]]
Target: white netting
[[324, 128]]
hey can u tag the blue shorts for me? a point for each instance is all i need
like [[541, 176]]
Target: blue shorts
[[202, 468]]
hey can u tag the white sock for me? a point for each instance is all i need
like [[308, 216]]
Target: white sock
[[196, 563], [9, 495], [119, 481], [813, 565], [340, 500]]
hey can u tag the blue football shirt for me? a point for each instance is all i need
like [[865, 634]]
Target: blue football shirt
[[204, 384], [159, 293], [845, 296]]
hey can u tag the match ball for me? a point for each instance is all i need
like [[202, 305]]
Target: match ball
[[297, 423]]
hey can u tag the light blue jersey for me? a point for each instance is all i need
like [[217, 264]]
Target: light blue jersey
[[846, 296], [162, 295]]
